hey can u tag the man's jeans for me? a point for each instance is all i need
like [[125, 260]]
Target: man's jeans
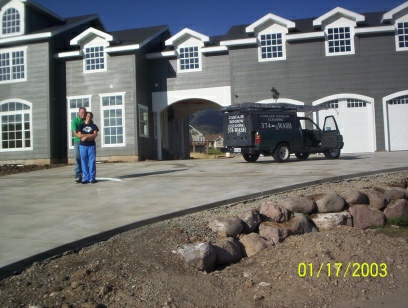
[[77, 158]]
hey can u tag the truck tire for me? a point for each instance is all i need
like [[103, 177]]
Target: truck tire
[[302, 155], [332, 154], [282, 153], [250, 158]]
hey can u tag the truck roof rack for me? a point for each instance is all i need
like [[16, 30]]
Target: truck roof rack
[[273, 107]]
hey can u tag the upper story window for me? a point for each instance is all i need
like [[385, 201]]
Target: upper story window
[[94, 59], [272, 46], [15, 126], [339, 41], [189, 59], [11, 21], [12, 65], [402, 36]]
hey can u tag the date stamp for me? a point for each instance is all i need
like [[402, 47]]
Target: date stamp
[[339, 269]]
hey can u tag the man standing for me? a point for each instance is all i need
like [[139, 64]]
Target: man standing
[[80, 119]]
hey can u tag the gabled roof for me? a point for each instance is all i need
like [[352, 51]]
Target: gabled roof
[[267, 18], [187, 32], [391, 14], [89, 33], [338, 10], [42, 9]]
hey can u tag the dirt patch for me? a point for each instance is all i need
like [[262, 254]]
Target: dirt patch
[[140, 268], [13, 169]]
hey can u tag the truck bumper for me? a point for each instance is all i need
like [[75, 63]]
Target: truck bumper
[[240, 150]]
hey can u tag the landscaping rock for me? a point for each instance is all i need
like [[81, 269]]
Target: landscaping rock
[[354, 197], [365, 217], [271, 211], [397, 209], [330, 202], [302, 205], [274, 232], [376, 199], [300, 224], [395, 193], [228, 251], [327, 221], [253, 243], [250, 220], [231, 226], [201, 256]]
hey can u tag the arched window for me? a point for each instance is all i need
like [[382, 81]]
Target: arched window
[[11, 21], [16, 127]]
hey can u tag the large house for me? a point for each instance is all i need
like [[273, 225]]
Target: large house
[[142, 84]]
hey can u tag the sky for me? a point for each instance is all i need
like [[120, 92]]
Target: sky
[[208, 17]]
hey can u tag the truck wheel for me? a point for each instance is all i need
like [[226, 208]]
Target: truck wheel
[[302, 155], [251, 157], [332, 154], [282, 153]]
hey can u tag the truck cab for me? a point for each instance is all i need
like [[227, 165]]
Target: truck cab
[[278, 131]]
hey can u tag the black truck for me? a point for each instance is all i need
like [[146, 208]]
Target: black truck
[[253, 129]]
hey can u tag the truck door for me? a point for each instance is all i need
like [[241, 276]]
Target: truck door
[[331, 137]]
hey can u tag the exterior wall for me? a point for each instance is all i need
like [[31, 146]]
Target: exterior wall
[[119, 77], [308, 74], [35, 90]]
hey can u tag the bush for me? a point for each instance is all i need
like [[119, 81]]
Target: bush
[[400, 221]]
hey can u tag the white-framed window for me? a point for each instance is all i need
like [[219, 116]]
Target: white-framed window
[[339, 40], [113, 119], [399, 100], [143, 121], [12, 65], [74, 103], [189, 59], [95, 59], [16, 126], [272, 46], [355, 103], [11, 21], [402, 35]]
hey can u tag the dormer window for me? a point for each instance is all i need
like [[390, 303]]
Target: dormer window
[[402, 36], [189, 58], [339, 40], [271, 46], [94, 58], [11, 21]]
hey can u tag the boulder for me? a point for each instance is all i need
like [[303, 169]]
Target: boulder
[[271, 211], [228, 251], [330, 202], [328, 221], [300, 224], [395, 193], [365, 216], [250, 220], [253, 243], [396, 209], [302, 205], [201, 256], [274, 232], [231, 226], [376, 199], [354, 197]]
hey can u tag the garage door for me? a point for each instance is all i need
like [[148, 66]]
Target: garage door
[[355, 119], [398, 124]]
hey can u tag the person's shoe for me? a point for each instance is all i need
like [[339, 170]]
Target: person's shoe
[[94, 181], [85, 182], [78, 180]]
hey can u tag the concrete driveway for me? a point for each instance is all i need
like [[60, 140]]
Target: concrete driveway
[[44, 213]]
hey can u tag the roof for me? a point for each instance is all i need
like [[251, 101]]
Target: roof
[[136, 36]]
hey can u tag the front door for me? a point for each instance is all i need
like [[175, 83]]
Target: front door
[[331, 137]]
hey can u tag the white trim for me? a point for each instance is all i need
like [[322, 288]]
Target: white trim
[[374, 29], [30, 112], [122, 48], [213, 49], [239, 42], [159, 55], [91, 31], [386, 115], [42, 8], [270, 17], [338, 10], [102, 127], [69, 54], [305, 36], [390, 14], [281, 101], [186, 32]]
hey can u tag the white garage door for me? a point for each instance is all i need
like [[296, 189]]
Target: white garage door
[[355, 119], [398, 124]]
